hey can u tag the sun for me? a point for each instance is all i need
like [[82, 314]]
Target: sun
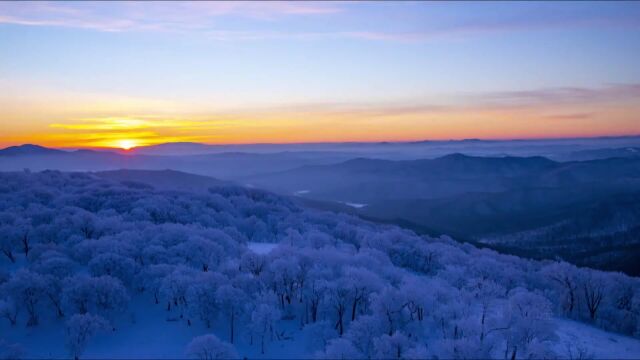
[[126, 144]]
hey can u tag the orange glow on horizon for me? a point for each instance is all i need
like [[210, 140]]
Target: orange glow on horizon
[[329, 125], [126, 144]]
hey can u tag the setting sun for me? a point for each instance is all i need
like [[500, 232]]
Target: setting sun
[[126, 144]]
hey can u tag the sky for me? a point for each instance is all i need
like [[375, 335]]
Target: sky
[[123, 74]]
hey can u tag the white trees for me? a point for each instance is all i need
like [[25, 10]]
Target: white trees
[[77, 293], [231, 301], [9, 310], [104, 295], [253, 263], [53, 291], [362, 283], [363, 332], [527, 323], [283, 273], [389, 304], [564, 278], [339, 296], [209, 347], [381, 291], [391, 346], [151, 277], [8, 242], [341, 349], [110, 296], [114, 265], [174, 288], [593, 291], [80, 329], [27, 288], [200, 252], [202, 299], [263, 319], [55, 264]]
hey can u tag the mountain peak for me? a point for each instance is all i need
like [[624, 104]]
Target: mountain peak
[[28, 149]]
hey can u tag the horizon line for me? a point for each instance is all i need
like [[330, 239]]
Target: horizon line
[[332, 142]]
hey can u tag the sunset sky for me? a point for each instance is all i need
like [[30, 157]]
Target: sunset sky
[[78, 74]]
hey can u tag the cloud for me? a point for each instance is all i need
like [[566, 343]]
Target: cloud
[[565, 95], [204, 18], [574, 116], [152, 16]]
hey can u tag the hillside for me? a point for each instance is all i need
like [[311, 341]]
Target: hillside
[[29, 150], [91, 266], [163, 179], [528, 206]]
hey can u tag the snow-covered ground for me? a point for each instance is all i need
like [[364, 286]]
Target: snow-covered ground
[[597, 343], [148, 331], [261, 248], [355, 205], [152, 333]]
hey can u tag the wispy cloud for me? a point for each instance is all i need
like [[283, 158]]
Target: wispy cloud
[[574, 116], [149, 16], [569, 111], [204, 18], [565, 95], [469, 102]]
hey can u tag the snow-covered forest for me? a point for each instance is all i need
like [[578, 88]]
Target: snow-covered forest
[[89, 266]]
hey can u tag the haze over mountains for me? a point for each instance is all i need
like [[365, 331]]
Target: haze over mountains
[[509, 195]]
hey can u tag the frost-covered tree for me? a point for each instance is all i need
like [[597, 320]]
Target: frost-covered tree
[[389, 304], [8, 242], [360, 289], [592, 284], [527, 324], [340, 348], [391, 347], [110, 296], [115, 265], [209, 347], [363, 333], [27, 289], [253, 263], [202, 297], [55, 264], [231, 301], [150, 278], [9, 310], [565, 282], [200, 252], [53, 291], [174, 288], [263, 319], [362, 284], [78, 293], [80, 328]]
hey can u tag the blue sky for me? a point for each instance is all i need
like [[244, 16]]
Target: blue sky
[[67, 62]]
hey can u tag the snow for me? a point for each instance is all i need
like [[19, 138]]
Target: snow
[[261, 248], [355, 205], [598, 343], [149, 334], [324, 259]]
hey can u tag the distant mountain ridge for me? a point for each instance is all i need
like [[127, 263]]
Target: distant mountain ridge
[[629, 151], [163, 179], [29, 149], [500, 201]]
